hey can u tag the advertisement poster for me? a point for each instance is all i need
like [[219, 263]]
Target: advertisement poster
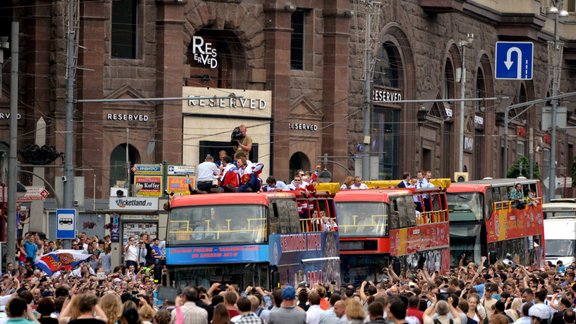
[[179, 184], [148, 186]]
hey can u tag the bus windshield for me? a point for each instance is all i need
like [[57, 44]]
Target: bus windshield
[[217, 225], [362, 219], [559, 248], [465, 206]]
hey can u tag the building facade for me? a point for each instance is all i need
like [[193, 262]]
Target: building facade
[[294, 73]]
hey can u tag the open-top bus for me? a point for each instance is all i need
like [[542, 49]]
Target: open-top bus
[[256, 239], [485, 221], [381, 227]]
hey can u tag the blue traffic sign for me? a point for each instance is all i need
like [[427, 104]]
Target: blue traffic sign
[[514, 60], [65, 223]]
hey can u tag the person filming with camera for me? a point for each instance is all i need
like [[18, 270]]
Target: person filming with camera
[[241, 143]]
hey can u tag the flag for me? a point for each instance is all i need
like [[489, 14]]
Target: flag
[[60, 260]]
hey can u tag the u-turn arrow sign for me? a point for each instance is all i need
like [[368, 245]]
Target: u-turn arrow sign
[[514, 60]]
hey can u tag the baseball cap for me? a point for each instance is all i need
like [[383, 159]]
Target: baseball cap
[[288, 293], [537, 312]]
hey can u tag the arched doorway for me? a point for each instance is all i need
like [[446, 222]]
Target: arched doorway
[[298, 161]]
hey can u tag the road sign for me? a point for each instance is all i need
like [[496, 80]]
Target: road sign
[[65, 223], [514, 60], [34, 193]]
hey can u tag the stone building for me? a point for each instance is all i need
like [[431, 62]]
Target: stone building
[[293, 73]]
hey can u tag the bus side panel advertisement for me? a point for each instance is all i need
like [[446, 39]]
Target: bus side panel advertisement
[[216, 254], [420, 238], [510, 223], [315, 254]]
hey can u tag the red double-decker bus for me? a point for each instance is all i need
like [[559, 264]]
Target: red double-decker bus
[[381, 227], [496, 217]]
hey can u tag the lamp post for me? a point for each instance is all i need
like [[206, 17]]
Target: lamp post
[[463, 45], [555, 56]]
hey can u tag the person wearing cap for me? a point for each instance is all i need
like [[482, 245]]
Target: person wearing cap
[[288, 312], [538, 315], [487, 301]]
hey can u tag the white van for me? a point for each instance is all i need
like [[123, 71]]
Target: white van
[[560, 231]]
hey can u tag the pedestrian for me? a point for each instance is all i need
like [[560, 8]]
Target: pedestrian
[[19, 312], [186, 309], [288, 312]]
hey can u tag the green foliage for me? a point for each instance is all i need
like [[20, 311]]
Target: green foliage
[[521, 168]]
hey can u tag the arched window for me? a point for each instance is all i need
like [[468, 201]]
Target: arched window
[[388, 67], [119, 167], [480, 91], [448, 89]]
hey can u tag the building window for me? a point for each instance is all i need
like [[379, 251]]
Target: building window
[[119, 167], [448, 90], [386, 142], [125, 29], [571, 5], [301, 45], [480, 92], [388, 67], [520, 149]]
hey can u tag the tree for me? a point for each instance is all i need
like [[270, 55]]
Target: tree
[[521, 168]]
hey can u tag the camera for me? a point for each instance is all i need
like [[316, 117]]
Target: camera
[[236, 136]]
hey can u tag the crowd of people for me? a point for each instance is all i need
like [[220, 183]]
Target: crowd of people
[[501, 293]]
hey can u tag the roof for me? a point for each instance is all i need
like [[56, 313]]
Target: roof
[[485, 183], [241, 198], [369, 195]]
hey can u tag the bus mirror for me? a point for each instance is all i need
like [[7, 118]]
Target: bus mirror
[[167, 206], [460, 176]]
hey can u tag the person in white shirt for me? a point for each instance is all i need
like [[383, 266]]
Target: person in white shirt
[[131, 253], [207, 171], [314, 311], [275, 185], [358, 184]]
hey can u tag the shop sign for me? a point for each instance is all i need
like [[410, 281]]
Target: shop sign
[[203, 52], [478, 120], [383, 95], [302, 126], [128, 117], [468, 144], [148, 186], [7, 116], [115, 228], [133, 203], [181, 170], [227, 102], [249, 103], [147, 169]]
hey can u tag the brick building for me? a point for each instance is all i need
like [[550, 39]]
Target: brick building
[[292, 71]]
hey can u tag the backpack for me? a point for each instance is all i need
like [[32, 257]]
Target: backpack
[[437, 321]]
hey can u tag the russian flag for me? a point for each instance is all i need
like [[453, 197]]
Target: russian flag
[[59, 260]]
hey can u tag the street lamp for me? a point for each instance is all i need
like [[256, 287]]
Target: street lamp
[[463, 45], [555, 57]]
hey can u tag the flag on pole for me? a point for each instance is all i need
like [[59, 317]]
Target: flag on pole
[[60, 260]]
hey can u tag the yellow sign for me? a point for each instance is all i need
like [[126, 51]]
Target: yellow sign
[[179, 185], [148, 186]]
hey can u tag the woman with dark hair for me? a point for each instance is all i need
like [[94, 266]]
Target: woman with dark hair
[[162, 316], [131, 316], [45, 307]]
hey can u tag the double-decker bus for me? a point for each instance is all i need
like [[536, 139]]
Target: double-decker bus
[[381, 227], [486, 221], [256, 239]]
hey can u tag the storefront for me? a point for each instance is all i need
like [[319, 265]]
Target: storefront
[[210, 116]]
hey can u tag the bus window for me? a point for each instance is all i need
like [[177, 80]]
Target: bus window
[[488, 204], [273, 218], [217, 224], [465, 206], [362, 219]]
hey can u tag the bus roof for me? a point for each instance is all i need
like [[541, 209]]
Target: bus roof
[[376, 195], [242, 198], [559, 206], [480, 185]]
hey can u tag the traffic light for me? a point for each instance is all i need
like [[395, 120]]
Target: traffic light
[[460, 176]]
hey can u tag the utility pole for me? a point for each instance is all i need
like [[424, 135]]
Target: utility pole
[[368, 8], [70, 78], [12, 157], [463, 44], [555, 56]]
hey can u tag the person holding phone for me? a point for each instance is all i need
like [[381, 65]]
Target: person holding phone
[[131, 253]]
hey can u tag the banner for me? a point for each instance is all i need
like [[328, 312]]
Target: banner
[[59, 260]]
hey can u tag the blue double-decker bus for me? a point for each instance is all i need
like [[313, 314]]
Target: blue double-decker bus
[[252, 239]]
